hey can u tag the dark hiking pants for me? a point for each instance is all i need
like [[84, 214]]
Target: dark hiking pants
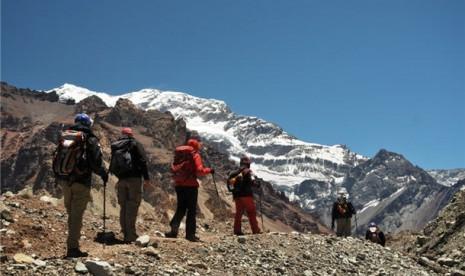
[[186, 202]]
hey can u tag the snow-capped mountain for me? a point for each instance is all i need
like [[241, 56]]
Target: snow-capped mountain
[[448, 177], [278, 157]]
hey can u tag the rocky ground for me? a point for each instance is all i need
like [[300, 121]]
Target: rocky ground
[[441, 245], [34, 228]]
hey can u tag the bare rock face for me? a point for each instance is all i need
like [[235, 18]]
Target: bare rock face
[[446, 234], [90, 105]]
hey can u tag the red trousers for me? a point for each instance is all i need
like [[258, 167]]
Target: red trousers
[[245, 204]]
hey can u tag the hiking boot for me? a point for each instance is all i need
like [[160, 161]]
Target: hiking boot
[[193, 239], [75, 253], [171, 234], [239, 233]]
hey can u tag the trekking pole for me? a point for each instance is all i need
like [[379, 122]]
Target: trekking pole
[[104, 208], [356, 224], [261, 206], [213, 175]]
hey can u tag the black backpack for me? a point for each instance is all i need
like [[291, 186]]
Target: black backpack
[[121, 163], [70, 155]]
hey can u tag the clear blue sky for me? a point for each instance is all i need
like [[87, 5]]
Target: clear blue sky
[[368, 74]]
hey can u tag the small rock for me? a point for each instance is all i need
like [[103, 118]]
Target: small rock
[[3, 258], [199, 265], [40, 263], [38, 227], [26, 244], [10, 232], [153, 244], [80, 268], [421, 240], [130, 270], [241, 239], [51, 200], [8, 194], [308, 273], [14, 204], [143, 241], [6, 215], [448, 261], [159, 234], [26, 193], [458, 272], [150, 251], [98, 268], [23, 258]]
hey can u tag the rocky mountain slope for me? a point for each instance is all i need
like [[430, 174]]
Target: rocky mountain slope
[[32, 223], [395, 194], [30, 136], [309, 174], [441, 244]]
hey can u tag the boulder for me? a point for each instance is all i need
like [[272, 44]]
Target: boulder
[[50, 200], [80, 268], [143, 240], [21, 258], [99, 268]]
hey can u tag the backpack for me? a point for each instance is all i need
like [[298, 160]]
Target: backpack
[[374, 237], [183, 167], [70, 155], [121, 163]]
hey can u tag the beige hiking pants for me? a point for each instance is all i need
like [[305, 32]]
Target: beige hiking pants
[[129, 198], [76, 196], [343, 227]]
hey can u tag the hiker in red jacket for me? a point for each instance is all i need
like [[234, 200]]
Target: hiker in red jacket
[[242, 181], [186, 167]]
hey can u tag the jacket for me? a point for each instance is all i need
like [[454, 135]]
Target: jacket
[[196, 170], [344, 205], [93, 158], [243, 183], [376, 237]]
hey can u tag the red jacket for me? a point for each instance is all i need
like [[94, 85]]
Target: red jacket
[[199, 169]]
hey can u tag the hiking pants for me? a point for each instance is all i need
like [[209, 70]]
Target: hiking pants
[[129, 198], [76, 196], [187, 201], [343, 227], [247, 204]]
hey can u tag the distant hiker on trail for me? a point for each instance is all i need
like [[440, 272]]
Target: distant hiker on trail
[[375, 235], [78, 155], [342, 212], [187, 166], [129, 164], [240, 182]]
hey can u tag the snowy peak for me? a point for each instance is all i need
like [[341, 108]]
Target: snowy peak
[[277, 156]]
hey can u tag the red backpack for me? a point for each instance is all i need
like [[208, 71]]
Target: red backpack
[[183, 167], [69, 156]]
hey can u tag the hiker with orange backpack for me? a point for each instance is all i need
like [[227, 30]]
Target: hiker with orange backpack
[[240, 182], [187, 166], [342, 213], [78, 155]]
